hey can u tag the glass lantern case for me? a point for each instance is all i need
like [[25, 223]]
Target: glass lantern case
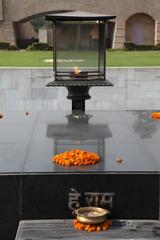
[[79, 46]]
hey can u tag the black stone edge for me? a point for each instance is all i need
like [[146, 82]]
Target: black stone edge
[[78, 173], [20, 226]]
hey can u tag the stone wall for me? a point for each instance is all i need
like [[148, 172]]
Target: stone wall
[[1, 11], [25, 31], [7, 33], [134, 89], [20, 10]]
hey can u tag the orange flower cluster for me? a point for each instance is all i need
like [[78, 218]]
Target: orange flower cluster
[[156, 115], [76, 157], [92, 228]]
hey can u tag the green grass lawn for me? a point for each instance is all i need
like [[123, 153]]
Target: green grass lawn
[[24, 58], [133, 58], [114, 58]]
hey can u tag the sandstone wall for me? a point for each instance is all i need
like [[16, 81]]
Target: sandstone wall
[[1, 11], [18, 10]]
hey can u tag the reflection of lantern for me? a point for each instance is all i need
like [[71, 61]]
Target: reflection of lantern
[[79, 53], [80, 134]]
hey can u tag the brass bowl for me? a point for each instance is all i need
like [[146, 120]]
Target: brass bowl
[[91, 215]]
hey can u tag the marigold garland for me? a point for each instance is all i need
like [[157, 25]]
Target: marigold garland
[[92, 227], [76, 157], [156, 115]]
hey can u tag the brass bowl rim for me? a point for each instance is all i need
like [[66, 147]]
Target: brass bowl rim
[[102, 211]]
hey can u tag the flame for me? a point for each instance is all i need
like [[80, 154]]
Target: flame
[[76, 70]]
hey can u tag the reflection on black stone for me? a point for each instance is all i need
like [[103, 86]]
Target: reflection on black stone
[[78, 133], [156, 230], [144, 125]]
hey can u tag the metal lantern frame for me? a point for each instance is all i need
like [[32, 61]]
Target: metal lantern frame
[[78, 85]]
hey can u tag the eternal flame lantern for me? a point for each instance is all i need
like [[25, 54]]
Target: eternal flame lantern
[[79, 53]]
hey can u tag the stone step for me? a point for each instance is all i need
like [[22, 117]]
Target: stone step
[[63, 229]]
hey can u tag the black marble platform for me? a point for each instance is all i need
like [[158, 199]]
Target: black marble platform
[[33, 187], [63, 229], [28, 142]]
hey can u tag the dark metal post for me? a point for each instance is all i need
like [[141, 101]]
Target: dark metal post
[[54, 50], [78, 95]]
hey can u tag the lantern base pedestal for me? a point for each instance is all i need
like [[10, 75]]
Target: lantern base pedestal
[[78, 105], [78, 95], [78, 91]]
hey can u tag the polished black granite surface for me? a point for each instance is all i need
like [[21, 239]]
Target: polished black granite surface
[[28, 142], [33, 187], [136, 196]]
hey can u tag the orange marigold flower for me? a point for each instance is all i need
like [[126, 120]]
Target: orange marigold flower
[[76, 157], [155, 115], [91, 227]]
